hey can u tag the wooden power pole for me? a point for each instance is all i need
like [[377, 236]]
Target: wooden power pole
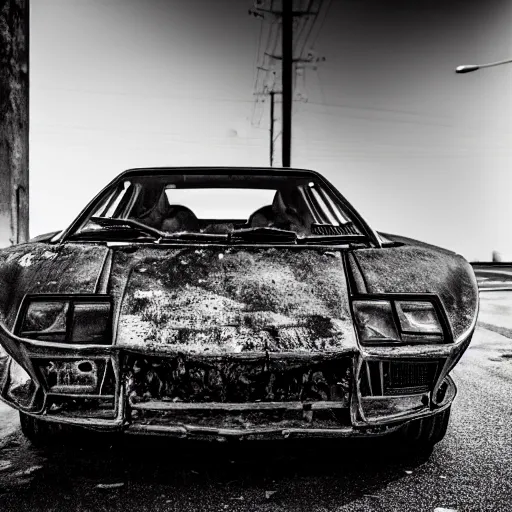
[[14, 83], [287, 81], [272, 121], [287, 14]]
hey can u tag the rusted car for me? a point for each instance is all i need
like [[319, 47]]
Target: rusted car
[[220, 303]]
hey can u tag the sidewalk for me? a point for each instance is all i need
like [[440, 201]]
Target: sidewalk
[[9, 420]]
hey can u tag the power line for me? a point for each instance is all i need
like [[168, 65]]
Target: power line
[[264, 67], [260, 36], [144, 95], [292, 52], [311, 25], [322, 22]]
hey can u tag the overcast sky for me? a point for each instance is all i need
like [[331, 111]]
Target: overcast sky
[[419, 150]]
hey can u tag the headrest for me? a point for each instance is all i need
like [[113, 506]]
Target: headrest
[[286, 202]]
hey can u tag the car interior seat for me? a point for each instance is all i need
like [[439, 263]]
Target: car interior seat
[[166, 217], [180, 218], [263, 217], [291, 211]]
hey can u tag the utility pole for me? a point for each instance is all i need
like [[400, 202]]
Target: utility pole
[[287, 80], [270, 54], [272, 119], [14, 82]]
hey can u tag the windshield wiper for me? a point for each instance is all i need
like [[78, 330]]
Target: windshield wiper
[[352, 240], [118, 227], [263, 235], [194, 237]]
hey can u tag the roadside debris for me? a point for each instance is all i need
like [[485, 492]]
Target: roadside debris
[[28, 471], [269, 494], [442, 509], [110, 486], [5, 464], [408, 471]]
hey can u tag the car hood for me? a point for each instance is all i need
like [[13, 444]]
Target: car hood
[[218, 300], [232, 300]]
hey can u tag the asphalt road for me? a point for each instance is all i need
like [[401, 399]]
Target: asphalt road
[[471, 469]]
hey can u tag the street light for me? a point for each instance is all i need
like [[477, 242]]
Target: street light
[[473, 67], [496, 256]]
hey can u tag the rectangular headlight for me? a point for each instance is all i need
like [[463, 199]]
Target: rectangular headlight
[[83, 319], [90, 323], [45, 320], [418, 317], [374, 321], [397, 321]]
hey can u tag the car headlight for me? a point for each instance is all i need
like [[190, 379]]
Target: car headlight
[[374, 320], [418, 318], [45, 320], [66, 319], [400, 321]]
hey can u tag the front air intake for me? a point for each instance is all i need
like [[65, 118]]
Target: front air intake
[[383, 378]]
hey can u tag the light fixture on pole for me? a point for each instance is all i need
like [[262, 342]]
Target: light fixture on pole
[[474, 67]]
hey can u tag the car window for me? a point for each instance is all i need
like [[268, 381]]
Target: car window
[[217, 204], [220, 203], [328, 209], [109, 206]]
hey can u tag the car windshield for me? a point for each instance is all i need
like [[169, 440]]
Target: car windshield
[[149, 205]]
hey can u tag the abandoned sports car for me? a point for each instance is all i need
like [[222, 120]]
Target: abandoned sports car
[[221, 303]]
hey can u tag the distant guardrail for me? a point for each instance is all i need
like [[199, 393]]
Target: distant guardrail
[[490, 264], [493, 276]]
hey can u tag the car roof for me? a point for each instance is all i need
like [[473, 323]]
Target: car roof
[[137, 171]]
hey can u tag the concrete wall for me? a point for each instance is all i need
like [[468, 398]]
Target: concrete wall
[[14, 95]]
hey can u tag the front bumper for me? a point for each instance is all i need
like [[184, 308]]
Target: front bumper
[[367, 416], [364, 429]]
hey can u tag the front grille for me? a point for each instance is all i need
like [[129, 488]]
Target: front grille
[[236, 380], [383, 378]]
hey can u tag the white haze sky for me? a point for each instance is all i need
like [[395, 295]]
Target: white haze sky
[[419, 150]]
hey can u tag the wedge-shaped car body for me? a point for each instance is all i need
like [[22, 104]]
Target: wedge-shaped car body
[[229, 302]]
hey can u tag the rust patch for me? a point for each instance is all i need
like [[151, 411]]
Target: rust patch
[[246, 300]]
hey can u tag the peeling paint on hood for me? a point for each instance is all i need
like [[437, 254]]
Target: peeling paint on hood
[[233, 300]]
